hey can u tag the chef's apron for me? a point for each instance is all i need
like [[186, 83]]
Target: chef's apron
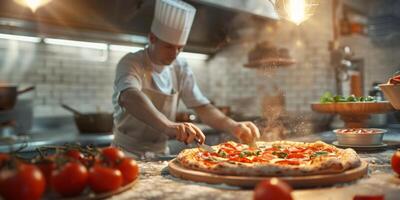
[[134, 136]]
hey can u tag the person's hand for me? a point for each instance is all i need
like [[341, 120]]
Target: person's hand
[[186, 132], [246, 132]]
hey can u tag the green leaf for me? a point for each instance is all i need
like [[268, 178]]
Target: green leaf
[[352, 98], [319, 153], [251, 153], [369, 98], [246, 152], [327, 97], [339, 98], [277, 146], [242, 155], [222, 154], [280, 154]]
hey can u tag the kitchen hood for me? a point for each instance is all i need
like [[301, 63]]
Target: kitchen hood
[[117, 21]]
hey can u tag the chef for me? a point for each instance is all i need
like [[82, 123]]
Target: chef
[[149, 83]]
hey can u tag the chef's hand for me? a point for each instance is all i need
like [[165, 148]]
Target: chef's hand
[[246, 132], [186, 132]]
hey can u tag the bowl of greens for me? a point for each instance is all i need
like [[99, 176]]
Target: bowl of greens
[[352, 109], [328, 97], [350, 104]]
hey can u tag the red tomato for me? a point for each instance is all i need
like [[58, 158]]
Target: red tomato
[[112, 155], [230, 151], [129, 170], [239, 159], [272, 189], [267, 155], [297, 149], [295, 155], [75, 154], [104, 179], [207, 154], [368, 197], [396, 162], [272, 149], [260, 159], [228, 145], [70, 180], [24, 182], [46, 167]]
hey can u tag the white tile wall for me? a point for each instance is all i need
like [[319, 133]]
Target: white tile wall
[[232, 84], [81, 78]]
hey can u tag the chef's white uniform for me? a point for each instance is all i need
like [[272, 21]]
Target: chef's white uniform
[[164, 85]]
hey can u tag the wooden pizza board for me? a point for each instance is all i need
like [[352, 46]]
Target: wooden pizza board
[[251, 181], [93, 196]]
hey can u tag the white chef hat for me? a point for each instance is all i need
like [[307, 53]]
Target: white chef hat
[[172, 21]]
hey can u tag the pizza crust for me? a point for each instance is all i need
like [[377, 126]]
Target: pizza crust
[[345, 159]]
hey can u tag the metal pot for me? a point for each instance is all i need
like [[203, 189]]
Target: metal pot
[[8, 96], [100, 122], [94, 122]]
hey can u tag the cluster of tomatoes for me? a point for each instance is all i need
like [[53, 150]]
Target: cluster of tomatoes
[[67, 173]]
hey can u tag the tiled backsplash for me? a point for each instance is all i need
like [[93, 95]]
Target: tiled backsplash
[[229, 83], [83, 78]]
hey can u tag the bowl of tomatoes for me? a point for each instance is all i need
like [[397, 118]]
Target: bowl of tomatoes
[[73, 171], [391, 90], [360, 136]]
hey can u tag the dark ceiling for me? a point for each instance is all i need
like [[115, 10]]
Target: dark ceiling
[[211, 27]]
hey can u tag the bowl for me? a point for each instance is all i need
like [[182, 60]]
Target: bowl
[[392, 93], [354, 114], [359, 136], [353, 108], [94, 122]]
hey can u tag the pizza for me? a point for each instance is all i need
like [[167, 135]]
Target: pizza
[[279, 158]]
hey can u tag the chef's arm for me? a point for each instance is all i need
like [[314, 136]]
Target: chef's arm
[[246, 132], [213, 117], [140, 106]]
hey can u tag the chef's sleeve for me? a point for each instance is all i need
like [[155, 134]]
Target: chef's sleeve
[[191, 94], [127, 75]]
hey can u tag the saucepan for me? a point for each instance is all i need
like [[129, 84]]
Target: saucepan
[[8, 96], [99, 122]]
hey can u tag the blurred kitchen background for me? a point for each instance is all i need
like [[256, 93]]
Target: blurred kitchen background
[[68, 50]]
